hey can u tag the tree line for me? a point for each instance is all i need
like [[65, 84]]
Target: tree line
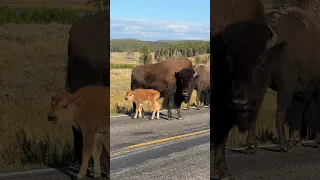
[[135, 45], [189, 49]]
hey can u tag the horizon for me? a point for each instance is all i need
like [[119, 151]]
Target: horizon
[[158, 40], [156, 21]]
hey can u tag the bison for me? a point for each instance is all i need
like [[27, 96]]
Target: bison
[[88, 64], [139, 96], [160, 77], [88, 109], [293, 67], [202, 85], [240, 35]]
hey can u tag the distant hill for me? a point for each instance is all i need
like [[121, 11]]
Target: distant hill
[[122, 45]]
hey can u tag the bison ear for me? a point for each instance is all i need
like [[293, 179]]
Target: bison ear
[[76, 99], [176, 74]]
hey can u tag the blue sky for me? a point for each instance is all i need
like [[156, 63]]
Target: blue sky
[[160, 19]]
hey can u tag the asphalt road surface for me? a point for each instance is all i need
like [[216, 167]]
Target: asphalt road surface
[[302, 163]]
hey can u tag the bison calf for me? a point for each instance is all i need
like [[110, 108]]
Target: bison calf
[[88, 109], [140, 96]]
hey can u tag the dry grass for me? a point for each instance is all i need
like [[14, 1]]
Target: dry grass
[[122, 58], [33, 59], [120, 83]]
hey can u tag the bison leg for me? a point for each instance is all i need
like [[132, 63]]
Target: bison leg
[[96, 154], [317, 139], [136, 110], [252, 146], [78, 144], [284, 101], [170, 115], [179, 113], [294, 138], [198, 99], [86, 154], [220, 137]]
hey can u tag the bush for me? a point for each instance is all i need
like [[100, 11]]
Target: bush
[[39, 15], [122, 66]]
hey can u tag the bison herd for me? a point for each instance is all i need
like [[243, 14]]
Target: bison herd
[[252, 51], [175, 80]]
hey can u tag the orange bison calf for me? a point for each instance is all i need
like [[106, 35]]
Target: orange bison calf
[[87, 108], [140, 96]]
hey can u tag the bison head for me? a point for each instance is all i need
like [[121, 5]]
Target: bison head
[[185, 82], [63, 108], [129, 95], [242, 52]]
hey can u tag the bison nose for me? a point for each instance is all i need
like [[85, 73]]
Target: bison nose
[[52, 119], [240, 101], [126, 98]]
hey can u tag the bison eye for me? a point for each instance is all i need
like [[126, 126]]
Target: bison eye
[[65, 106]]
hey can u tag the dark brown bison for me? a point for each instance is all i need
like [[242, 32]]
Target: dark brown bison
[[293, 67], [160, 77], [89, 64], [239, 37]]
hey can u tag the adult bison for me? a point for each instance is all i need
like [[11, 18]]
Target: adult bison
[[161, 77], [88, 64], [239, 37], [294, 64], [202, 85]]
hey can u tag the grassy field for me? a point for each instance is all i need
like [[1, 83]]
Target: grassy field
[[32, 69]]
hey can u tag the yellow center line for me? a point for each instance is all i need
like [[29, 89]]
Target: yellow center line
[[160, 141]]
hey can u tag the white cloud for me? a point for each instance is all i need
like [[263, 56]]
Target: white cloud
[[145, 29]]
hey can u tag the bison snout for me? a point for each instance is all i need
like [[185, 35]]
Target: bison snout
[[185, 94], [52, 119], [240, 101]]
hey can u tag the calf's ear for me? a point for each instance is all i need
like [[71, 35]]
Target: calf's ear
[[76, 99]]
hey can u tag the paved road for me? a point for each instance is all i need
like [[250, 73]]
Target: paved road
[[187, 158], [126, 131], [303, 163]]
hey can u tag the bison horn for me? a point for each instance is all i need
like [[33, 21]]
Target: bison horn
[[271, 42], [195, 73]]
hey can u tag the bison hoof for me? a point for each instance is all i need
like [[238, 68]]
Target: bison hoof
[[252, 149], [170, 118], [294, 143], [285, 148], [180, 118]]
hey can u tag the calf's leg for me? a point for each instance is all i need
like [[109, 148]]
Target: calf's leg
[[154, 109], [137, 109], [198, 100], [96, 154], [78, 144], [86, 154]]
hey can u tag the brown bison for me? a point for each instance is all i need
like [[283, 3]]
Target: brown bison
[[161, 77], [88, 64], [240, 35], [202, 85], [139, 96], [88, 109]]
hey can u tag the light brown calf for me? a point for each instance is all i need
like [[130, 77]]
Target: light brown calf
[[140, 96], [87, 108]]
